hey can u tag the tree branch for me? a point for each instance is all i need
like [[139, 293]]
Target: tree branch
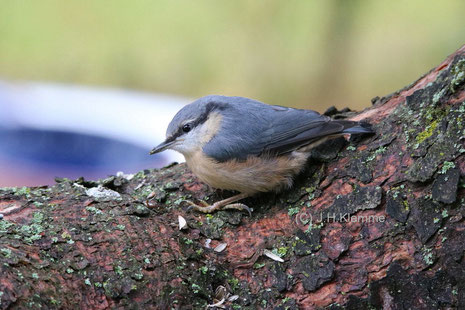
[[96, 244]]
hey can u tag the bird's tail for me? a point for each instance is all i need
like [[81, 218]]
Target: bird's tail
[[352, 127]]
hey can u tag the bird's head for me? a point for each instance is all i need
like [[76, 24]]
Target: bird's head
[[193, 126]]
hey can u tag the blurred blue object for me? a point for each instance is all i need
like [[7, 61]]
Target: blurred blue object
[[56, 130]]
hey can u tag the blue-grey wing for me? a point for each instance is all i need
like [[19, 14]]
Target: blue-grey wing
[[296, 128], [259, 128]]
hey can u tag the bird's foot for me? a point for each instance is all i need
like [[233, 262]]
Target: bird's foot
[[206, 208]]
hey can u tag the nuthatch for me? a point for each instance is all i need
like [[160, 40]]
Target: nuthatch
[[240, 144]]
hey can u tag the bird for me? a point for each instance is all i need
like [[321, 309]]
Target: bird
[[244, 145]]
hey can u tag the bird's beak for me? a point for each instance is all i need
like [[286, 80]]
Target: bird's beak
[[161, 147]]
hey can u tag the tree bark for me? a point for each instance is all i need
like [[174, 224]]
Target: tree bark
[[373, 223]]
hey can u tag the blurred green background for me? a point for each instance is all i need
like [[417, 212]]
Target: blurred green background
[[311, 54]]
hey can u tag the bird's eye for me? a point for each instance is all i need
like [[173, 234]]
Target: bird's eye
[[186, 128]]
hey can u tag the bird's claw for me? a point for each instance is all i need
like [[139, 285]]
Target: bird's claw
[[206, 208], [240, 207], [193, 205]]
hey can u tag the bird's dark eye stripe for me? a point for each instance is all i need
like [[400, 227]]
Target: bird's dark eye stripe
[[200, 120]]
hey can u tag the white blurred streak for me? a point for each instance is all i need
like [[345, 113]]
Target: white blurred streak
[[129, 116]]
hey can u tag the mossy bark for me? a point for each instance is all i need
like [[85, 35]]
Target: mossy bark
[[99, 244]]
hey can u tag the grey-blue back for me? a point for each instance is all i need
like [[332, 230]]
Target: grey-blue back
[[250, 127]]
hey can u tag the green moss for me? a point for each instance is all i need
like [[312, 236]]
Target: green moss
[[433, 113], [138, 275], [437, 96], [428, 256], [93, 210], [406, 205], [310, 227], [187, 240], [5, 252], [234, 282], [293, 211], [53, 301], [444, 213], [178, 201], [65, 235], [37, 217], [139, 175], [195, 288], [458, 76], [118, 270], [428, 132], [22, 191], [38, 204], [378, 151], [4, 225], [282, 251], [31, 232], [310, 189], [446, 166]]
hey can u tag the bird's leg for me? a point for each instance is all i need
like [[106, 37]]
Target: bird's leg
[[221, 205]]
